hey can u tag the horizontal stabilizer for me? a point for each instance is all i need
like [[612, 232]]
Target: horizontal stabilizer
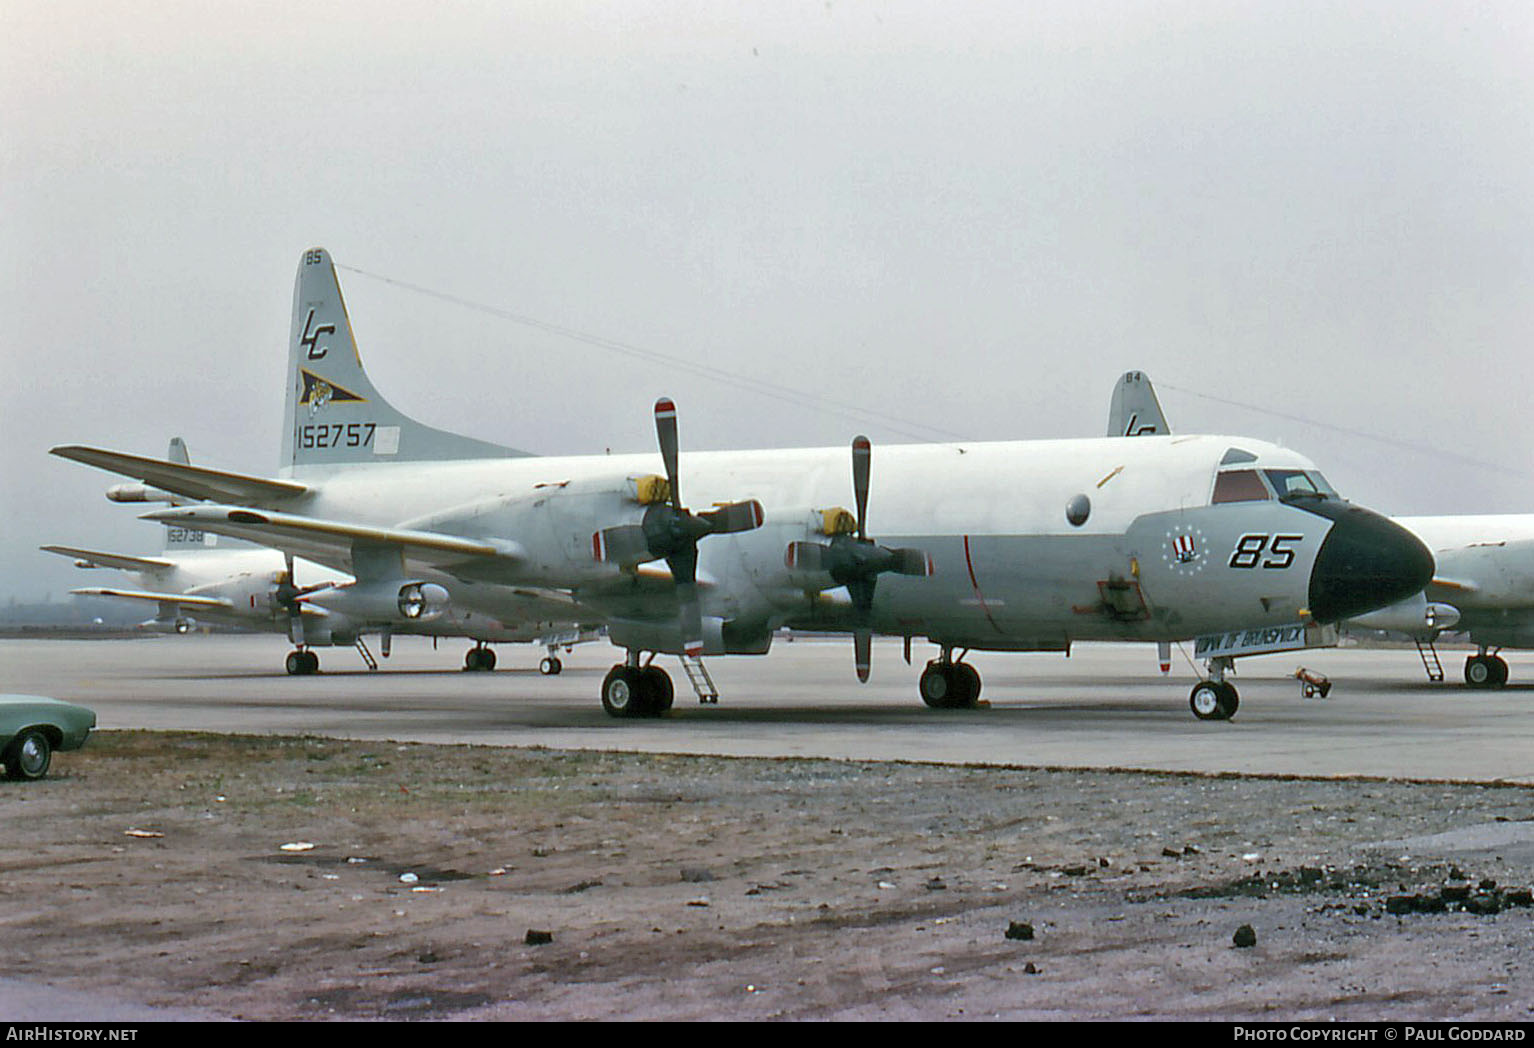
[[196, 482], [165, 598], [276, 529], [120, 561]]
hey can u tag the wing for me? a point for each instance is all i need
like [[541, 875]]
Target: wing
[[179, 478], [121, 561], [334, 542], [214, 603]]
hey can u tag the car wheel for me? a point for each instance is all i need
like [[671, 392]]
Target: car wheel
[[28, 755]]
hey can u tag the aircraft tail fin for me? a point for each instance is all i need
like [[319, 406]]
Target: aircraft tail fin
[[177, 539], [1135, 411], [333, 414]]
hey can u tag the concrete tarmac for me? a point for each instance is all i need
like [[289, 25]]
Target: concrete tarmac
[[1107, 706]]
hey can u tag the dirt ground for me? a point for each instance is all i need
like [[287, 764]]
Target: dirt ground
[[262, 878]]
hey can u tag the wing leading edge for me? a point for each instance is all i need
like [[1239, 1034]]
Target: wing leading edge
[[333, 541], [197, 482]]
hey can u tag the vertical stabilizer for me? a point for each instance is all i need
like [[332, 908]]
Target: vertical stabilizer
[[179, 538], [1135, 411], [333, 415]]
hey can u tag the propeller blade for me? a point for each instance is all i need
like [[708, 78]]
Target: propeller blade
[[288, 593], [734, 516], [665, 432], [862, 461], [684, 569], [626, 545], [861, 589], [862, 652]]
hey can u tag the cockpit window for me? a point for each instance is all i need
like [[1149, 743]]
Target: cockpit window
[[1296, 483], [1239, 485]]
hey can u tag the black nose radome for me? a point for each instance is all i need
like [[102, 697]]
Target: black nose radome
[[1366, 561]]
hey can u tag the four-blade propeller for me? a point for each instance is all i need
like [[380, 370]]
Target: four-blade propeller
[[287, 595], [670, 532], [856, 561]]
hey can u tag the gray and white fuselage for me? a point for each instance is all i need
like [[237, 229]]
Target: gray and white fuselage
[[1153, 560]]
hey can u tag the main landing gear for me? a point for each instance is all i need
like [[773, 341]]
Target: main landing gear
[[302, 662], [479, 659], [949, 685], [632, 690], [1485, 671], [1215, 698]]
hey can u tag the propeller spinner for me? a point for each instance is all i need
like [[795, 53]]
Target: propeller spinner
[[670, 532], [855, 560], [287, 595]]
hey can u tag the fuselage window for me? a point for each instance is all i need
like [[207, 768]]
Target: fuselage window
[[1240, 485]]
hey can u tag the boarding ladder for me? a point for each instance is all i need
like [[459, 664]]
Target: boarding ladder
[[1430, 661], [367, 656], [702, 683]]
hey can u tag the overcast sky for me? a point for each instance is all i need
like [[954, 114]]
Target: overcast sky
[[968, 219]]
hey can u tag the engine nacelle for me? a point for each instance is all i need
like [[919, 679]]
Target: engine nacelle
[[719, 637], [138, 493], [180, 624], [1416, 616], [386, 602]]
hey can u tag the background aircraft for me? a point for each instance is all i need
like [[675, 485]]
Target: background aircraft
[[1014, 546], [253, 587], [1482, 585]]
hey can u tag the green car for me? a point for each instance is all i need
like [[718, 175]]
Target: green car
[[32, 727]]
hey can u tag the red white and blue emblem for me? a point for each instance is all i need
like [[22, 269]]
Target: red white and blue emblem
[[1184, 549]]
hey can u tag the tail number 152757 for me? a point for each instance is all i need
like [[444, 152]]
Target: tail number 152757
[[336, 435]]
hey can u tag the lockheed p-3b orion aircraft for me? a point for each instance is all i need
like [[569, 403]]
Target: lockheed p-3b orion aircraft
[[1003, 546]]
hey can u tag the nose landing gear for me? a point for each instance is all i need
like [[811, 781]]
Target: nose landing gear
[[1215, 698]]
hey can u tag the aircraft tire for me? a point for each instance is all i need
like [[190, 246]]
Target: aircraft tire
[[301, 662], [624, 693], [28, 756], [1485, 671], [550, 666], [1230, 700], [311, 661], [658, 690], [936, 685], [1213, 700], [968, 679], [949, 686]]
